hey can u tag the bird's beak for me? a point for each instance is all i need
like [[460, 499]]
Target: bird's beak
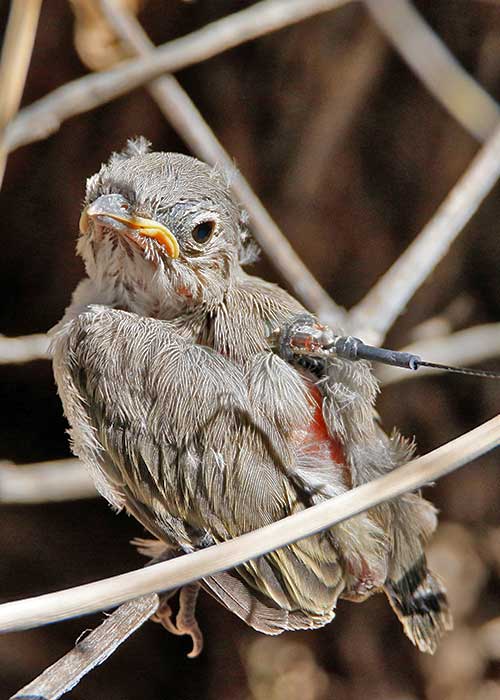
[[112, 211]]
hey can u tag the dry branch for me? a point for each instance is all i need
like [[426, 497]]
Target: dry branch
[[45, 482], [435, 65], [91, 651], [107, 593], [341, 102], [460, 349], [16, 56], [45, 116], [376, 313], [23, 349], [184, 116]]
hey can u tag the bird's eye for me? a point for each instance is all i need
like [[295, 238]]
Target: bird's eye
[[203, 232]]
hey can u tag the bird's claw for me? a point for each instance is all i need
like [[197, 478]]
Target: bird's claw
[[185, 621]]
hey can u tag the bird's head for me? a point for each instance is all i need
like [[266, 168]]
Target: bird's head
[[161, 228]]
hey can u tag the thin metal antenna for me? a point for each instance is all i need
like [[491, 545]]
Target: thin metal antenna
[[354, 349], [461, 370]]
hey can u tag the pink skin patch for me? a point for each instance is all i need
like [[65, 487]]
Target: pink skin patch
[[319, 432]]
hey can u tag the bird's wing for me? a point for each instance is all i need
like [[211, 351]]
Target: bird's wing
[[172, 430]]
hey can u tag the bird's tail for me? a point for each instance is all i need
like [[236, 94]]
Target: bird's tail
[[419, 600]]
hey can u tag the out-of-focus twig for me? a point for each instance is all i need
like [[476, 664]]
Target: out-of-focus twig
[[346, 89], [376, 313], [23, 349], [438, 69], [460, 349], [95, 41], [452, 317], [104, 594], [46, 115], [15, 59], [184, 116], [91, 651], [59, 480]]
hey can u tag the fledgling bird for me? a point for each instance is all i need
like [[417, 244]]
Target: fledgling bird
[[187, 417]]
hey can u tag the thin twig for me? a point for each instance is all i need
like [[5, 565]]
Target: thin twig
[[452, 317], [376, 313], [45, 482], [342, 96], [101, 595], [91, 651], [22, 349], [16, 56], [46, 115], [435, 65], [460, 349], [184, 116]]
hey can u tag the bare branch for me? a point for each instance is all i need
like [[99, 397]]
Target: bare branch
[[91, 651], [23, 349], [341, 102], [16, 56], [59, 480], [46, 115], [376, 313], [104, 594], [184, 116], [461, 349], [454, 316], [436, 66]]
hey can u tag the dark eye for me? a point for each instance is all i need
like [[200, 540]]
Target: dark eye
[[203, 232]]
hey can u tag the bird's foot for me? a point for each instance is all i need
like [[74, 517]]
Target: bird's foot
[[185, 621], [163, 615], [156, 550], [186, 617]]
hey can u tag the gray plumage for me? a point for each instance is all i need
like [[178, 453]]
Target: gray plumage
[[187, 419]]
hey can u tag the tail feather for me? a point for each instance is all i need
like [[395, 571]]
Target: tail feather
[[419, 600]]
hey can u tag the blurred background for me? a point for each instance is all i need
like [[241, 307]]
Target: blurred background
[[352, 156]]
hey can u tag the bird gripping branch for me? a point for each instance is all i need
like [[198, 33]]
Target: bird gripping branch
[[190, 417]]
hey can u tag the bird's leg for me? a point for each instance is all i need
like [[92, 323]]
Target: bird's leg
[[301, 342], [303, 335], [186, 617], [159, 551], [164, 613], [185, 621]]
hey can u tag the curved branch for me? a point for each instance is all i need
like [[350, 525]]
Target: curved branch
[[25, 348], [45, 482], [436, 66], [16, 56], [45, 116], [376, 313], [107, 593]]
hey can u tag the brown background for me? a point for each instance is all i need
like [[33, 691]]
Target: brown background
[[349, 204]]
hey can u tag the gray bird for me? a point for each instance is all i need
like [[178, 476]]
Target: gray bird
[[187, 417]]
